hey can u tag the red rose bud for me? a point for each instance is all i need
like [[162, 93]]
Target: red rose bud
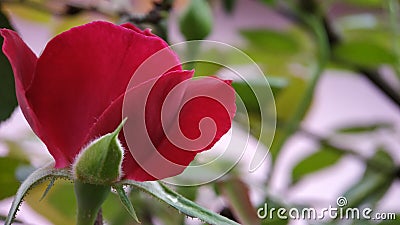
[[75, 91], [100, 162]]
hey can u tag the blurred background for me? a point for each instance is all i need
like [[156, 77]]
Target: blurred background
[[333, 67]]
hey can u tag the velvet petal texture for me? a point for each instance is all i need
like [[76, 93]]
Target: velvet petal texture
[[79, 74], [183, 117], [74, 92]]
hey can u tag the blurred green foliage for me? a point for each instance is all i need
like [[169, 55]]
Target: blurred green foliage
[[315, 162], [363, 39]]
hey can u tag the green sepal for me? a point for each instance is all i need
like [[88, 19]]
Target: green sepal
[[126, 202], [100, 162], [51, 184]]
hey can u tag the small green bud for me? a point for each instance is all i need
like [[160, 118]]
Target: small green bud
[[101, 161], [196, 21]]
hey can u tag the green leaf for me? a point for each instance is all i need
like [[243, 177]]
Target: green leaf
[[146, 209], [240, 204], [126, 202], [8, 181], [366, 3], [206, 68], [365, 128], [269, 2], [254, 106], [277, 51], [270, 41], [290, 98], [27, 12], [317, 161], [115, 213], [246, 92], [248, 96], [364, 53], [288, 102], [36, 177], [183, 205], [189, 192], [8, 99], [375, 181]]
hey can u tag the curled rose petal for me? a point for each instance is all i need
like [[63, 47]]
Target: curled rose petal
[[77, 89]]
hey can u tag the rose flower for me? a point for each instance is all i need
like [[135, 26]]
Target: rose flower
[[86, 81]]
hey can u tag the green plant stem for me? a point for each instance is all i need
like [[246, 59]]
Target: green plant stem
[[314, 24], [192, 51], [89, 198]]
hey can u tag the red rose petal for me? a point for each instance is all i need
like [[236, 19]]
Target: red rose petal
[[207, 111], [76, 91], [143, 129], [79, 75], [23, 62], [168, 155]]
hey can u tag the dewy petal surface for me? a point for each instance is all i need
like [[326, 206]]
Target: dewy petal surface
[[80, 74]]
